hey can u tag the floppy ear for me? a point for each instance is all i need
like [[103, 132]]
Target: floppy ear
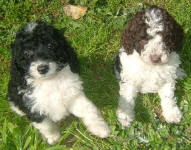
[[179, 37], [18, 53], [134, 36], [127, 41], [68, 51], [173, 33], [21, 37]]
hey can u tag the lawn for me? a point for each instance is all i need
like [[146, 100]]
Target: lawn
[[96, 39]]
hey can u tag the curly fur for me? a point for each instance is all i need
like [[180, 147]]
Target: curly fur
[[148, 62], [45, 85], [135, 35]]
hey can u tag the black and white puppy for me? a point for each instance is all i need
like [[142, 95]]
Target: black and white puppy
[[45, 85], [148, 63]]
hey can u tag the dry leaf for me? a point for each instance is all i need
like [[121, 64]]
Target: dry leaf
[[75, 11]]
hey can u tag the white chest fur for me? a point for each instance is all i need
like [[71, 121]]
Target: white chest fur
[[51, 96], [148, 78]]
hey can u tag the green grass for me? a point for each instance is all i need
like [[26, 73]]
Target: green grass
[[96, 39]]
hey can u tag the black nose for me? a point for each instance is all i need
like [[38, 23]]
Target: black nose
[[155, 58], [42, 69]]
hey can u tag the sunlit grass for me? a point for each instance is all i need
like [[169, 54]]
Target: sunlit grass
[[96, 40]]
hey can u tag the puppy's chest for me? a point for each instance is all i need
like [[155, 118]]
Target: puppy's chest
[[52, 96], [153, 79], [147, 78], [59, 89]]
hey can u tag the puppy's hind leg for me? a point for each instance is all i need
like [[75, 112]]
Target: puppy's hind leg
[[84, 109], [48, 129]]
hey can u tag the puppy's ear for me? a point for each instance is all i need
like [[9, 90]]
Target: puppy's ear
[[179, 37], [126, 41], [173, 34], [134, 36], [68, 52]]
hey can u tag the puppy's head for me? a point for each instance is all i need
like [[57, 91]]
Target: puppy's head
[[154, 34], [39, 51]]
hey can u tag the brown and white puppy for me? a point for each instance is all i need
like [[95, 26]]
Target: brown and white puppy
[[148, 63]]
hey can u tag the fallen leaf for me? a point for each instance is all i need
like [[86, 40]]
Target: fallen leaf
[[75, 11]]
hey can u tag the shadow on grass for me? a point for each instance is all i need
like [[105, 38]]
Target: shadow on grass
[[99, 82], [141, 112], [70, 139], [101, 85]]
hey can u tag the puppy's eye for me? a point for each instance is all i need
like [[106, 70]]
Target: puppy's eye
[[50, 46], [148, 19], [28, 53]]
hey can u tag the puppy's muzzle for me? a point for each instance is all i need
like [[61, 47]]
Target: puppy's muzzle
[[155, 58], [43, 69]]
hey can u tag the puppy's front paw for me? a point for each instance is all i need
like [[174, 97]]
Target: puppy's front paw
[[172, 115], [125, 118], [99, 129], [53, 138]]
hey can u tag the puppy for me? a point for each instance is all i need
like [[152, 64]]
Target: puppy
[[148, 63], [45, 85]]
